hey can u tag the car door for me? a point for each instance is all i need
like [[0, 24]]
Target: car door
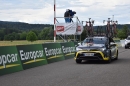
[[113, 48]]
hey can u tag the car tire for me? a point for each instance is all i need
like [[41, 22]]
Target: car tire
[[126, 47], [78, 61], [116, 56]]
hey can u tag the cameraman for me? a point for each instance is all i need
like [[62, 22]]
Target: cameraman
[[66, 16], [71, 15]]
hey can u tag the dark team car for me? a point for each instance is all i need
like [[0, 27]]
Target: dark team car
[[96, 48]]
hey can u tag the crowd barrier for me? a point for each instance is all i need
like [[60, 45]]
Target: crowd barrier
[[22, 57]]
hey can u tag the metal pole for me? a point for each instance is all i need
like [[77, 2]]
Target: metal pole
[[113, 17], [54, 20], [74, 37], [76, 29]]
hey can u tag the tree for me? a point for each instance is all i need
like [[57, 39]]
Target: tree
[[36, 32], [51, 33], [31, 36], [120, 34], [23, 36], [17, 36], [46, 33], [84, 34], [9, 37], [123, 33], [1, 35]]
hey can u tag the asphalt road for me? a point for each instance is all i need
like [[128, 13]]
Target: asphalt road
[[68, 73]]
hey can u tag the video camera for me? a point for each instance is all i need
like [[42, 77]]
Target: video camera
[[72, 12]]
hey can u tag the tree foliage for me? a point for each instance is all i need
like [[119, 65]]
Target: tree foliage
[[23, 35], [123, 33], [22, 26], [19, 31], [46, 33], [83, 35], [9, 37], [31, 36]]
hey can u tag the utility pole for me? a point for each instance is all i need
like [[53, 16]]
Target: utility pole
[[113, 18], [54, 20]]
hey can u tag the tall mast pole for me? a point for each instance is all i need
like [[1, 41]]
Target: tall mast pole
[[54, 20], [113, 17]]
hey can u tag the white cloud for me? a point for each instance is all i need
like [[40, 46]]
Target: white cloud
[[28, 15], [42, 11]]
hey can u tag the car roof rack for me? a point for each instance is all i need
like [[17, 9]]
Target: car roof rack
[[108, 30]]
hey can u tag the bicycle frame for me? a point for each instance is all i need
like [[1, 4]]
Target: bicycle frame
[[108, 28], [114, 26], [89, 27]]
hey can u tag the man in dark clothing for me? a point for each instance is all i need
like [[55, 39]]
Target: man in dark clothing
[[67, 15], [71, 15]]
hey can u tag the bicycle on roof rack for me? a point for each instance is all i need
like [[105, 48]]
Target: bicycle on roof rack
[[107, 27], [114, 31], [110, 29], [89, 27]]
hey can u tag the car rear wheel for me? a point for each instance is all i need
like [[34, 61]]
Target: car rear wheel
[[78, 61]]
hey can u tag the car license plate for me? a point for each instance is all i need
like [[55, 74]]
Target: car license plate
[[88, 54]]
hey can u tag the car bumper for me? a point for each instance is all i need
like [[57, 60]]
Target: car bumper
[[98, 55]]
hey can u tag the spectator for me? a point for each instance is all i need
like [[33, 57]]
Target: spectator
[[71, 15], [66, 16]]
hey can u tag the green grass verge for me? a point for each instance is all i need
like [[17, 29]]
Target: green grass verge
[[24, 42]]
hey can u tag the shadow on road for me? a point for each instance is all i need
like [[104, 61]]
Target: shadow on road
[[119, 61], [95, 62]]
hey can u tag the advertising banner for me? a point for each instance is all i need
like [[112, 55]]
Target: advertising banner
[[53, 52], [79, 29], [68, 49], [9, 60], [31, 55], [69, 28]]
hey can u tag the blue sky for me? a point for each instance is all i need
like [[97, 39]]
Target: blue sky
[[42, 11]]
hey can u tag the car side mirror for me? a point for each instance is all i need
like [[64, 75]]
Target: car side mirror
[[79, 43], [112, 43]]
